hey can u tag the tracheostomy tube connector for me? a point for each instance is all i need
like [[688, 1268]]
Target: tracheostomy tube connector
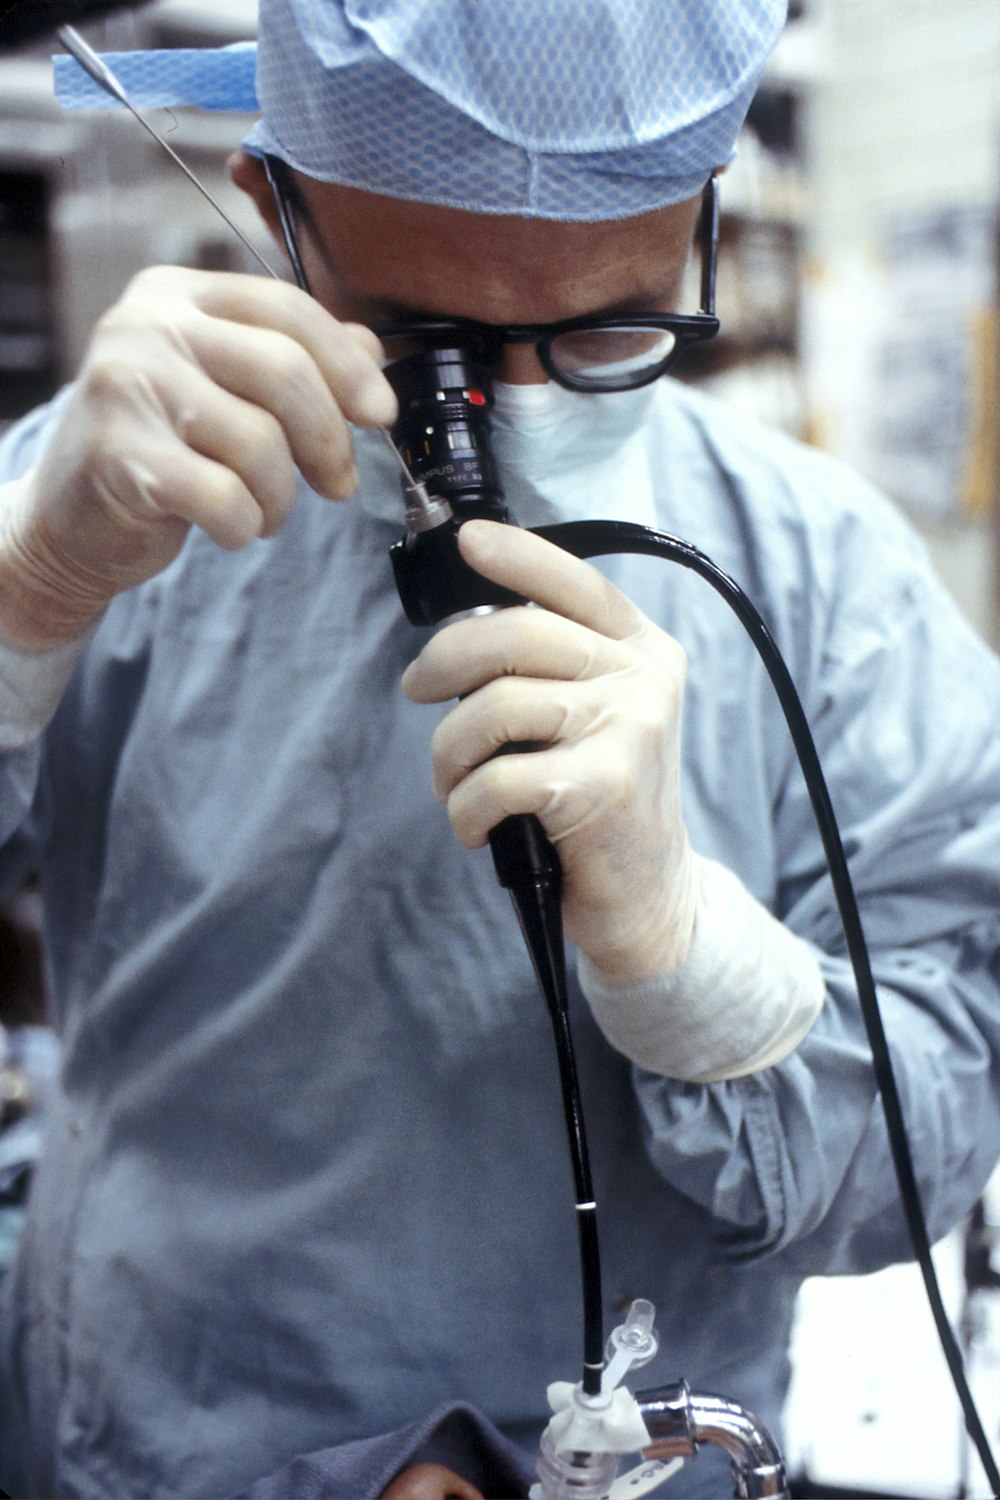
[[587, 1435]]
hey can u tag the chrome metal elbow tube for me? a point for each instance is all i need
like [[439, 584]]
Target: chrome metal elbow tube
[[680, 1420]]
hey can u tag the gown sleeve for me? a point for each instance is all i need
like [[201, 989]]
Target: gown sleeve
[[904, 702]]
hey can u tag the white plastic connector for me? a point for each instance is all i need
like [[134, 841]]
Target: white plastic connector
[[583, 1443], [632, 1344]]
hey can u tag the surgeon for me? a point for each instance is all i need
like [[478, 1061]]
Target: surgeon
[[306, 1178]]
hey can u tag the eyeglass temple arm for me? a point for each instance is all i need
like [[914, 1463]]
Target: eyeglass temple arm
[[708, 235], [274, 168]]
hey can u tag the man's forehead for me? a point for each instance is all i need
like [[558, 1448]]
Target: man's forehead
[[418, 258]]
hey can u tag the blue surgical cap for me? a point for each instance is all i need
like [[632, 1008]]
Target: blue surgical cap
[[555, 109]]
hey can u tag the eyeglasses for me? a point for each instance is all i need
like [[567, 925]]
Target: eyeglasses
[[612, 352]]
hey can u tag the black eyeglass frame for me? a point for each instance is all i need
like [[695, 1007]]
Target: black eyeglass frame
[[488, 339]]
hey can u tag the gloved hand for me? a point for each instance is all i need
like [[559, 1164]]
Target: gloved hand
[[589, 680], [200, 395], [686, 973]]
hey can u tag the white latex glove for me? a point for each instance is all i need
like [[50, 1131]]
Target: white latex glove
[[598, 688], [687, 974], [32, 682], [200, 395], [744, 998]]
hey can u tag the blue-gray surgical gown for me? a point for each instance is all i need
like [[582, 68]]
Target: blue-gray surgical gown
[[306, 1177]]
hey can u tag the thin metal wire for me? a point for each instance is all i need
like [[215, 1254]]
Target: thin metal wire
[[272, 165], [97, 69]]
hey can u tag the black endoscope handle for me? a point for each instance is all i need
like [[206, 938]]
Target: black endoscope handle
[[435, 583], [522, 851]]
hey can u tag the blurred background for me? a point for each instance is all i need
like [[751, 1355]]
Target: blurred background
[[858, 289]]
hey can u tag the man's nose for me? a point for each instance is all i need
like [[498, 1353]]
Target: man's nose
[[519, 365]]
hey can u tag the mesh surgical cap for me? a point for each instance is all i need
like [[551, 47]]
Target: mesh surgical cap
[[554, 109]]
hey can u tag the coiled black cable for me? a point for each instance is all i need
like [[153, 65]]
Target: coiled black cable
[[585, 539]]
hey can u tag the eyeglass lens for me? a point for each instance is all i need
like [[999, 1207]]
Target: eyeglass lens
[[611, 354]]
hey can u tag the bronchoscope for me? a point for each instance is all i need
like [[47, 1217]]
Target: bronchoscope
[[443, 434]]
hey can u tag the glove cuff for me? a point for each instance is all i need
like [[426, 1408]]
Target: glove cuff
[[745, 996], [32, 682]]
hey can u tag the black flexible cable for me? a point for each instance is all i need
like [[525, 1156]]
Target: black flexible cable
[[528, 866], [586, 539], [552, 981]]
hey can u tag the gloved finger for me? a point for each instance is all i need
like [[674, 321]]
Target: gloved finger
[[249, 442], [555, 579], [279, 376], [503, 713], [137, 411], [346, 355], [171, 481], [627, 713], [162, 314], [567, 787], [511, 642], [237, 434]]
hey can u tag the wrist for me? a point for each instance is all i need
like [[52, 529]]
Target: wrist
[[648, 941], [31, 686], [746, 995], [43, 604]]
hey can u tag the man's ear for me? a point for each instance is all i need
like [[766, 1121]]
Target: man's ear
[[247, 173]]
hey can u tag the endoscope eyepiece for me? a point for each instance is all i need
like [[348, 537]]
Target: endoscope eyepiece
[[443, 436], [443, 431]]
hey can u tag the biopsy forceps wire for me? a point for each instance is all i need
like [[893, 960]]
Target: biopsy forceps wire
[[97, 69]]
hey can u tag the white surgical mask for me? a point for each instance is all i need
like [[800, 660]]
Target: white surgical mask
[[562, 456], [569, 456]]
